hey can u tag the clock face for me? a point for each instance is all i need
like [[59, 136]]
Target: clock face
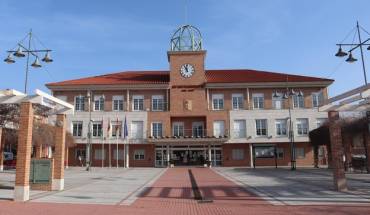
[[187, 70]]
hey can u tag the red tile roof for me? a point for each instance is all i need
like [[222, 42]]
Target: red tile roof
[[212, 76]]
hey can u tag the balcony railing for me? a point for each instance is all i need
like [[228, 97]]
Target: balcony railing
[[193, 134]]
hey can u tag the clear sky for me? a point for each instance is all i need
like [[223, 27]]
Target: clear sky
[[96, 37]]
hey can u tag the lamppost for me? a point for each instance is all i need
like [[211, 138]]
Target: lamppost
[[354, 46], [89, 133], [22, 51], [290, 93]]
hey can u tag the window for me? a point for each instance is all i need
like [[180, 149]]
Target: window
[[218, 128], [120, 154], [281, 127], [258, 101], [298, 101], [320, 122], [299, 153], [117, 103], [237, 154], [138, 103], [139, 154], [239, 129], [178, 129], [317, 99], [157, 103], [237, 101], [302, 126], [99, 154], [77, 129], [261, 127], [98, 103], [218, 101], [97, 129], [277, 102], [137, 129], [280, 153], [116, 129], [198, 129], [80, 103], [264, 152], [157, 129]]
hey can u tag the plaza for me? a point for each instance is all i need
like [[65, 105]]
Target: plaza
[[227, 190]]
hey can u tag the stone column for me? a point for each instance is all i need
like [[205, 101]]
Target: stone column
[[2, 143], [22, 175], [168, 155], [66, 158], [60, 135], [127, 156], [210, 155], [340, 182]]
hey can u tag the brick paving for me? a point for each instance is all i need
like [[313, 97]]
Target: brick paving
[[172, 194]]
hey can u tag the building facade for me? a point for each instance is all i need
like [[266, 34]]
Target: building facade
[[190, 115]]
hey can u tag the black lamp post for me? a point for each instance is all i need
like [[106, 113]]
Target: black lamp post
[[289, 93], [22, 51], [354, 46]]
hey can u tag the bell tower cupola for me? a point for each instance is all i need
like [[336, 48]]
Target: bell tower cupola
[[186, 57]]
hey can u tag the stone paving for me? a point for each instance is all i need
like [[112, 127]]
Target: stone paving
[[301, 187], [172, 193], [99, 186]]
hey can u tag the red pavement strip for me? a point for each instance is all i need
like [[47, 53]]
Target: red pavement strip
[[172, 194]]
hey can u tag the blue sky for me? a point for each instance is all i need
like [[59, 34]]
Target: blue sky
[[97, 37]]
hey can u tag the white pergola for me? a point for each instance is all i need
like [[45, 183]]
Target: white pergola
[[356, 100], [58, 106]]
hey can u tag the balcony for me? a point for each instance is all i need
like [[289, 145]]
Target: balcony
[[192, 135]]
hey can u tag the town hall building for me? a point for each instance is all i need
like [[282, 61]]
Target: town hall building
[[190, 115]]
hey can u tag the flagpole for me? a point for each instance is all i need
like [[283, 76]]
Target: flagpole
[[102, 146], [109, 148], [117, 142]]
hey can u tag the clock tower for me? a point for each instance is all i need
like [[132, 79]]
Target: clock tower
[[187, 70]]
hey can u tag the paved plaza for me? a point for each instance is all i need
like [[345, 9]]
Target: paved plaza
[[175, 191], [301, 187]]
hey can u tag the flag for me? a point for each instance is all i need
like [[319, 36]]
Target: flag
[[108, 129], [125, 130], [117, 128]]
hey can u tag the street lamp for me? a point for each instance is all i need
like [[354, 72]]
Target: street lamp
[[290, 93], [354, 46], [89, 133], [23, 51]]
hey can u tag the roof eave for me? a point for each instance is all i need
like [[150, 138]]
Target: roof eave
[[107, 86], [270, 84]]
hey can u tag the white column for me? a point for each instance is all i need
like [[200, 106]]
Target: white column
[[128, 100], [127, 156], [251, 154], [168, 155], [210, 155]]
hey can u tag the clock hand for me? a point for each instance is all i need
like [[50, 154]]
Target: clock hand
[[186, 68]]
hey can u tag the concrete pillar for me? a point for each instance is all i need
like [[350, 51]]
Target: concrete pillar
[[168, 155], [210, 155], [22, 175], [2, 143], [340, 182], [60, 138], [127, 156], [66, 157], [251, 155]]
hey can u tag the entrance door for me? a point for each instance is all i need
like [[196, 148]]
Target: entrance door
[[191, 157], [161, 157]]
